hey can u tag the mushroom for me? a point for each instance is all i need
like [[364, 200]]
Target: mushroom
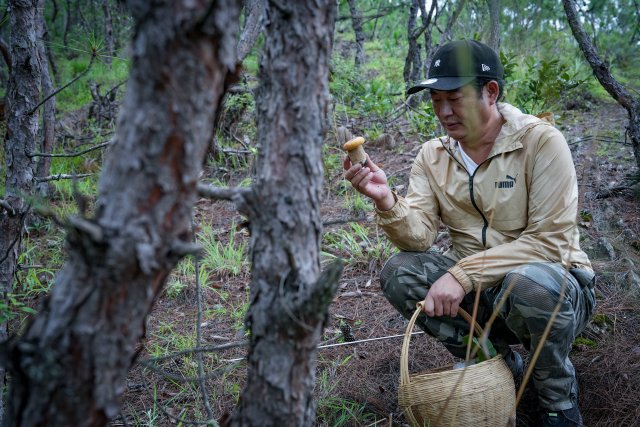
[[354, 148]]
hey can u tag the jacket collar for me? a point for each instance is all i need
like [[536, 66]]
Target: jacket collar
[[515, 126]]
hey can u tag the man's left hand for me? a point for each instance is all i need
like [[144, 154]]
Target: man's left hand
[[444, 297]]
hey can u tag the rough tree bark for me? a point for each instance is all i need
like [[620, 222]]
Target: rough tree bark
[[49, 107], [412, 62], [494, 27], [446, 34], [22, 129], [108, 33], [356, 20], [68, 23], [69, 366], [253, 23], [427, 19], [289, 295], [601, 70]]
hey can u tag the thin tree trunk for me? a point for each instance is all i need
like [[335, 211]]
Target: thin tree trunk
[[54, 11], [253, 23], [446, 34], [6, 55], [427, 19], [68, 22], [22, 129], [50, 57], [356, 20], [601, 70], [70, 365], [412, 62], [494, 27], [108, 33], [49, 107], [289, 296]]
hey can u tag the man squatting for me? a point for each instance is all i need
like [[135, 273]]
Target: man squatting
[[505, 185]]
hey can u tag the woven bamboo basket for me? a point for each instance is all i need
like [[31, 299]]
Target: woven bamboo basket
[[480, 395]]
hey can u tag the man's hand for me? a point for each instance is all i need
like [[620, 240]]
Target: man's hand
[[370, 181], [444, 297]]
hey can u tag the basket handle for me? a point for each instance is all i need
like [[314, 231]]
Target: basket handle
[[404, 355]]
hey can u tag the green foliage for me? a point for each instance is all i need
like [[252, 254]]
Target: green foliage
[[357, 203], [78, 94], [175, 287], [12, 307], [40, 258], [334, 410], [356, 96], [479, 350], [228, 258], [357, 245], [423, 120], [332, 161], [586, 342], [543, 84], [167, 340]]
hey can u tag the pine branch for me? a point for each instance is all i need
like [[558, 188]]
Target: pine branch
[[239, 196], [72, 81], [79, 153], [62, 176]]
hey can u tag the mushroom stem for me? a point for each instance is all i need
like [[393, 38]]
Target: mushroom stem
[[357, 155], [356, 151]]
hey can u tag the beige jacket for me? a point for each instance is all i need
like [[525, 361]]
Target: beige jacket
[[519, 206]]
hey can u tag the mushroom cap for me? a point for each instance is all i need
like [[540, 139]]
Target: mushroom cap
[[354, 143]]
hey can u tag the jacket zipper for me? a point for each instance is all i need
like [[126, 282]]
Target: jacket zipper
[[485, 222], [485, 225]]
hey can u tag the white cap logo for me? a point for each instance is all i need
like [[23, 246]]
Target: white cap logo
[[485, 67], [437, 63]]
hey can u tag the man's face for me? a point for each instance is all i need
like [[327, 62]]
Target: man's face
[[462, 112]]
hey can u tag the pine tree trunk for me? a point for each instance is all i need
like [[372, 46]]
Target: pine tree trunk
[[49, 107], [70, 365], [412, 63], [68, 23], [494, 27], [22, 129], [253, 23], [624, 97], [356, 20], [108, 33], [289, 296]]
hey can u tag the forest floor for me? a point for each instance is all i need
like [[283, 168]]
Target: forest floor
[[357, 382]]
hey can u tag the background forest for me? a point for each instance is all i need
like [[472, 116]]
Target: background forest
[[157, 202]]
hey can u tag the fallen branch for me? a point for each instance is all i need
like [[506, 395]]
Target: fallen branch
[[239, 196], [62, 176], [346, 220], [357, 293], [610, 192], [79, 153], [221, 193]]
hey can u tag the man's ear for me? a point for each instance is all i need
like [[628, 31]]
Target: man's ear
[[492, 91]]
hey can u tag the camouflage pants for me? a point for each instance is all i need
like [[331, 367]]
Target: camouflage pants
[[527, 308]]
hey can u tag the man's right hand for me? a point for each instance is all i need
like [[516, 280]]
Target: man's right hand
[[371, 181]]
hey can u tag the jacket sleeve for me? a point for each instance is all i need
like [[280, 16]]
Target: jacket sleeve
[[412, 223], [551, 233]]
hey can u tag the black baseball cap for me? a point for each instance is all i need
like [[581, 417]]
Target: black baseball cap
[[459, 62]]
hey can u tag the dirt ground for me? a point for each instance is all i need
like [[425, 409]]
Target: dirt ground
[[357, 382]]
